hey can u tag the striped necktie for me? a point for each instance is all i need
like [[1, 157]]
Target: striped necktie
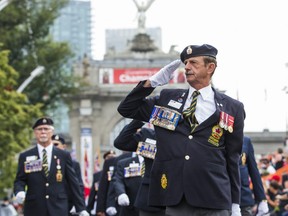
[[45, 162], [143, 169], [189, 113]]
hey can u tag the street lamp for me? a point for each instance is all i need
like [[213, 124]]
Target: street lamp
[[36, 72], [4, 3]]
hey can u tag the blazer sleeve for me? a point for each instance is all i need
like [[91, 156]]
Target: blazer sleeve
[[127, 140], [20, 180], [77, 169], [119, 184], [73, 182], [136, 105], [93, 193], [254, 174], [233, 145], [103, 186]]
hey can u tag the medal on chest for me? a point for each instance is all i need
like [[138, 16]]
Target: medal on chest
[[59, 176]]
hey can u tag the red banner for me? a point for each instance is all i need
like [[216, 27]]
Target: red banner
[[133, 75]]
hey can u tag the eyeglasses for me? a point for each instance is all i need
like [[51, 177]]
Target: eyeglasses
[[45, 129]]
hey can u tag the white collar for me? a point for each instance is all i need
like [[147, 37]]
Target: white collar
[[48, 148], [204, 92]]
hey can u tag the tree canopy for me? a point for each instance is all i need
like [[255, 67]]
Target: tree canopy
[[27, 37], [25, 43], [16, 117]]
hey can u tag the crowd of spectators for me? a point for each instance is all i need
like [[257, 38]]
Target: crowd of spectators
[[274, 172]]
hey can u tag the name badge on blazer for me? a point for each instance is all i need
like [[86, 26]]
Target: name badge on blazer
[[133, 170], [31, 158], [33, 166], [174, 104], [165, 117], [147, 149]]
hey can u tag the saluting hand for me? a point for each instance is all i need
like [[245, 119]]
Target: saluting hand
[[163, 76]]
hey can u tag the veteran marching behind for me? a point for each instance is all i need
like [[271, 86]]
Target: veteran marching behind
[[199, 134], [43, 175]]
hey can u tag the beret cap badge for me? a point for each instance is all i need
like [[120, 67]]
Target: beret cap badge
[[43, 121], [189, 50], [198, 50]]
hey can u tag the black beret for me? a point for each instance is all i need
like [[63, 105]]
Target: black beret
[[107, 153], [58, 138], [198, 50], [43, 121]]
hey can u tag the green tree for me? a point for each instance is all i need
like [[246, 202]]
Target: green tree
[[16, 117], [27, 37]]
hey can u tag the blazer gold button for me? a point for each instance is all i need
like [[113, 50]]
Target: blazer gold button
[[187, 157], [190, 137]]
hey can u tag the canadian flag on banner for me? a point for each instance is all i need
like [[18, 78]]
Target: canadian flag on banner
[[86, 167], [86, 179], [86, 159]]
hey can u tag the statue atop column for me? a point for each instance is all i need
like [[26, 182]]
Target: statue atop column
[[86, 65], [142, 8]]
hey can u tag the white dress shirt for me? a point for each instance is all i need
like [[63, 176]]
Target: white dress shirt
[[205, 106], [49, 153]]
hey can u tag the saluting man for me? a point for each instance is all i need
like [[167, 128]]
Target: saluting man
[[199, 133], [42, 175]]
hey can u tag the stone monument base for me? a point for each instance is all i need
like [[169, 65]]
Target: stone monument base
[[142, 43]]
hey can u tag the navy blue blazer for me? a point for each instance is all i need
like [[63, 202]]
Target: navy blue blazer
[[189, 164], [76, 166], [111, 196], [128, 140], [106, 194], [93, 191], [46, 194], [104, 185], [128, 186], [249, 168]]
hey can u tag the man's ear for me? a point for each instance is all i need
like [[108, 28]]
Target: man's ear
[[211, 67]]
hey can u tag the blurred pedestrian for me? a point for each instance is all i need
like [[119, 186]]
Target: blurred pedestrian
[[59, 142], [92, 199], [249, 171], [274, 189], [127, 182], [112, 207], [43, 174], [6, 208], [135, 137], [266, 168]]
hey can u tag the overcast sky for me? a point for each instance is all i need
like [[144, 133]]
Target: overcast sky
[[251, 37]]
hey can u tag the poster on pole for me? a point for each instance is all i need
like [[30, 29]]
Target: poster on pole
[[86, 156]]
